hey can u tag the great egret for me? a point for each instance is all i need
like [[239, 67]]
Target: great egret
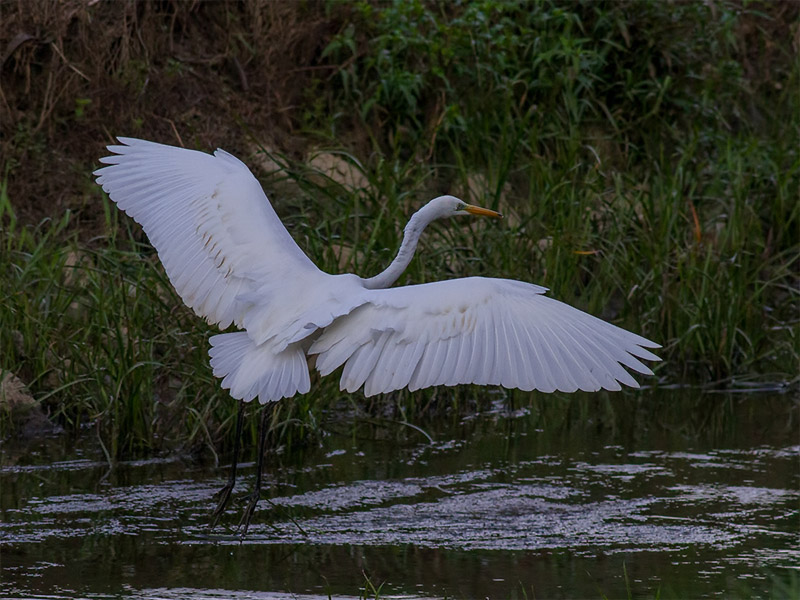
[[231, 260]]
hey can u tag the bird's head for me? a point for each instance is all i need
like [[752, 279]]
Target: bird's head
[[450, 206]]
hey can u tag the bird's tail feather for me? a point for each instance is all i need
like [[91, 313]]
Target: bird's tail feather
[[249, 370]]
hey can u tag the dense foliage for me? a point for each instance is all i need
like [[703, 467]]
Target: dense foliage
[[645, 153]]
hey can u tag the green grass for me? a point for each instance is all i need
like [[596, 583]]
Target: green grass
[[96, 334], [645, 179]]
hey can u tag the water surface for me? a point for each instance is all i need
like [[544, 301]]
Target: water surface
[[666, 493]]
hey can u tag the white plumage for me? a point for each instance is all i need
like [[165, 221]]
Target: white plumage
[[232, 261]]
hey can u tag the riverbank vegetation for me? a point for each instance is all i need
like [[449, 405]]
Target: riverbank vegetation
[[646, 156]]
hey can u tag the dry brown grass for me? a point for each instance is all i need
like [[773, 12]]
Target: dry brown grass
[[77, 72]]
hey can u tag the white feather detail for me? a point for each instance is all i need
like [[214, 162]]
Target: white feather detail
[[477, 330], [249, 370], [214, 229]]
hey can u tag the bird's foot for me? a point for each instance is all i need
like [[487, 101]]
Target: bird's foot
[[224, 496], [247, 515]]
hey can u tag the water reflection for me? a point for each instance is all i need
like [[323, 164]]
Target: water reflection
[[506, 503]]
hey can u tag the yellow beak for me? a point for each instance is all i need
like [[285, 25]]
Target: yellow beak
[[482, 212]]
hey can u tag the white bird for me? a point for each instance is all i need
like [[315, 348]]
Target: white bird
[[231, 260]]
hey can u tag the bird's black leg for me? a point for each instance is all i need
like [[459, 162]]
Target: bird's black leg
[[224, 494], [263, 432]]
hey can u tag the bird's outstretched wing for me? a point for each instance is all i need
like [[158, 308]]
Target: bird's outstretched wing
[[477, 330], [211, 223]]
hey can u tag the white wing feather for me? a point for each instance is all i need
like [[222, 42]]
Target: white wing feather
[[477, 330], [214, 229], [230, 259]]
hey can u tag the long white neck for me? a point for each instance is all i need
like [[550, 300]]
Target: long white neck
[[419, 221]]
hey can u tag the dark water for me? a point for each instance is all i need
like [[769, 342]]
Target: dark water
[[666, 494]]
